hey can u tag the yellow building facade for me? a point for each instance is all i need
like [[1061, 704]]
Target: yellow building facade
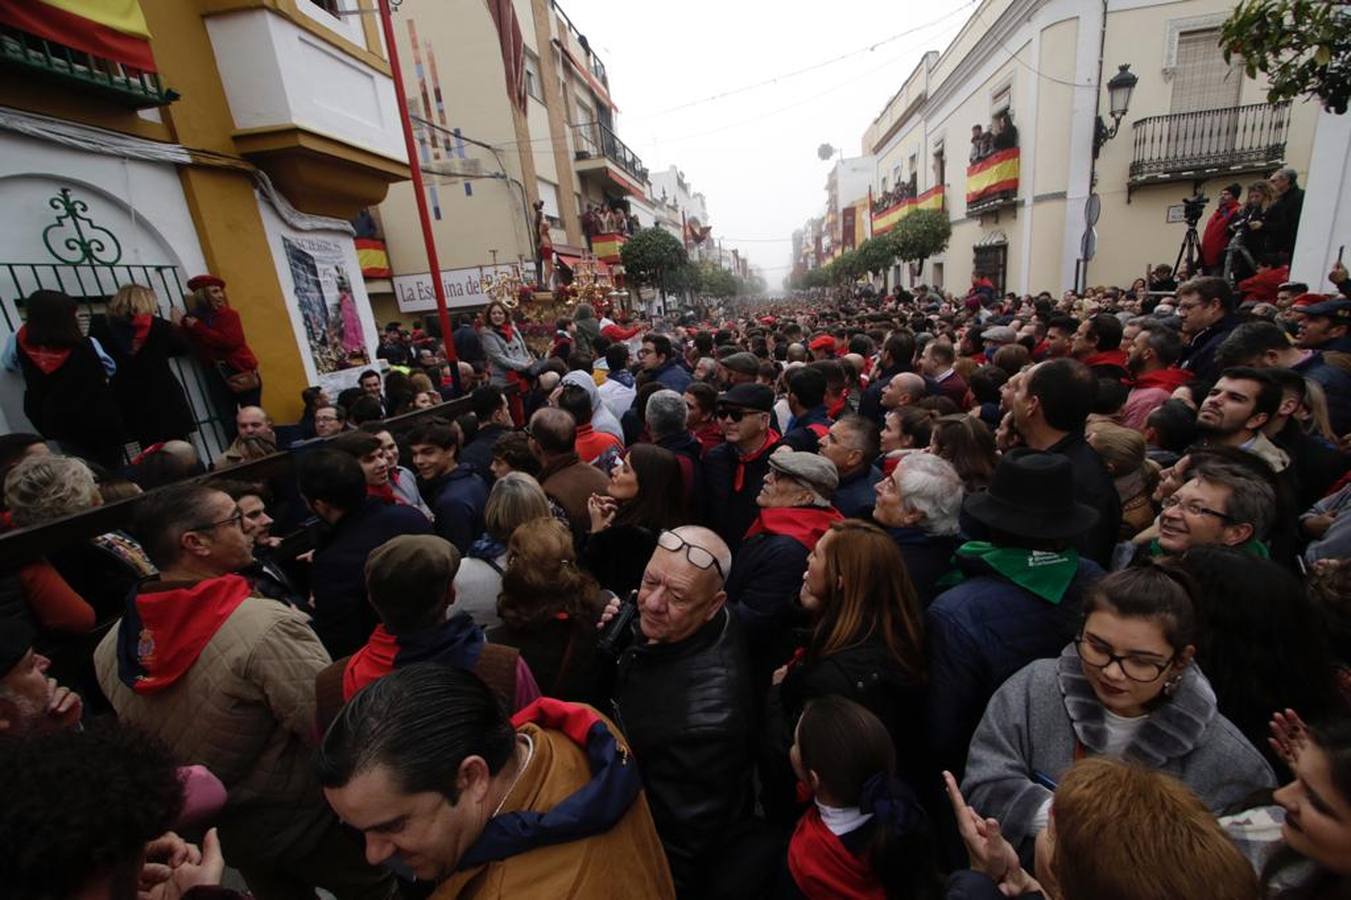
[[265, 126]]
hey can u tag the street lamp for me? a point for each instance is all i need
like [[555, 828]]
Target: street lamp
[[1119, 90]]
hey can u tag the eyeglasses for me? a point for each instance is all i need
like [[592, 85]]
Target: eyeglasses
[[698, 556], [1135, 668], [236, 519], [735, 413], [1194, 508]]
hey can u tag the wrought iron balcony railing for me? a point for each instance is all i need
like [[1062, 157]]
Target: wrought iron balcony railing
[[1209, 141], [118, 83], [592, 139]]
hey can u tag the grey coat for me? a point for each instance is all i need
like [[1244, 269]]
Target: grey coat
[[1037, 718], [504, 356]]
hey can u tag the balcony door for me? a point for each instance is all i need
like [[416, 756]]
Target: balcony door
[[1205, 99]]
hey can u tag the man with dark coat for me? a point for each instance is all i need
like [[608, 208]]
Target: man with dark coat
[[334, 486], [1018, 599], [766, 577], [666, 415], [735, 469], [662, 363], [564, 477], [494, 420], [898, 354], [452, 490], [1205, 308], [1050, 404], [852, 443], [683, 697], [1282, 218], [807, 402]]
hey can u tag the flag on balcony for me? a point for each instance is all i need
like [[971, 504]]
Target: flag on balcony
[[993, 175], [373, 258], [509, 37], [608, 246], [887, 218], [109, 29]]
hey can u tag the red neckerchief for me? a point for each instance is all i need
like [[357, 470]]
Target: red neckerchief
[[837, 406], [147, 453], [47, 359], [804, 524], [1039, 351], [822, 867], [166, 628], [507, 331], [1118, 358], [373, 661], [140, 330], [739, 479], [889, 464], [1170, 379], [383, 492]]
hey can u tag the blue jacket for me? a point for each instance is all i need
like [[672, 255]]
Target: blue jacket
[[343, 617], [978, 634], [762, 591], [856, 495], [673, 376], [456, 500], [801, 436], [928, 557]]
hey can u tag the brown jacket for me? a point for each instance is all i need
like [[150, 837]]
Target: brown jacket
[[245, 710], [627, 861], [572, 482]]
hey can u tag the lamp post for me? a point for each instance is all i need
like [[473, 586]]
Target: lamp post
[[1119, 90]]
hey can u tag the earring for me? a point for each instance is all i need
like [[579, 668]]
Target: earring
[[1171, 685]]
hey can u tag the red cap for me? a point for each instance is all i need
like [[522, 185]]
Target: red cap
[[197, 282], [1308, 300], [824, 342]]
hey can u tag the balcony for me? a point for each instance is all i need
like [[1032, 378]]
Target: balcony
[[1209, 143], [598, 150], [118, 83]]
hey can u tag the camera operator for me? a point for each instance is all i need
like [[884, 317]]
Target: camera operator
[[1249, 239], [1216, 236]]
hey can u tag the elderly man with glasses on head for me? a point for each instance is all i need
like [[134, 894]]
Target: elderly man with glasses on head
[[683, 698]]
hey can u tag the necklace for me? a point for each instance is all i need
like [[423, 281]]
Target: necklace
[[529, 752]]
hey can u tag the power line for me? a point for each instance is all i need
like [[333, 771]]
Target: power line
[[812, 68]]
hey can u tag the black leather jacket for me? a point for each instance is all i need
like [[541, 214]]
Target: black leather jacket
[[687, 711]]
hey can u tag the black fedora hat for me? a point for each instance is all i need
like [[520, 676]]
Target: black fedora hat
[[1032, 496]]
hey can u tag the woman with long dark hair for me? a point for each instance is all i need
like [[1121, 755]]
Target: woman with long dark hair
[[969, 446], [865, 643], [150, 397], [646, 495], [68, 397]]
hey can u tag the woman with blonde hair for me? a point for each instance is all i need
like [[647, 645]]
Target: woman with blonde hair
[[549, 607], [217, 334], [516, 498], [153, 405], [866, 643], [1123, 452]]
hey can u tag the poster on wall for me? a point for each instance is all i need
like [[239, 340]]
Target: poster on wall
[[328, 307]]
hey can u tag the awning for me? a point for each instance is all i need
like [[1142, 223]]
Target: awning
[[572, 261]]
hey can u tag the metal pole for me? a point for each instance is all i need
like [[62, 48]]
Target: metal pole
[[415, 170]]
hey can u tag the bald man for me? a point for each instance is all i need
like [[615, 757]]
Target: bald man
[[684, 698], [904, 389]]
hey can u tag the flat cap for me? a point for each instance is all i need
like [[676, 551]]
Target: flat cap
[[1000, 334], [742, 363], [809, 469], [1337, 310], [751, 396], [412, 564]]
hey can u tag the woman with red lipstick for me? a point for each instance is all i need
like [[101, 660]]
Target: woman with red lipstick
[[1127, 688]]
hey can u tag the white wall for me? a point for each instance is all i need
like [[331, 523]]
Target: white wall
[[276, 73], [1325, 224]]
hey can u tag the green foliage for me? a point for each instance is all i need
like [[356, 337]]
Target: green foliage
[[655, 257], [715, 281], [923, 233], [875, 255], [844, 268], [1302, 46]]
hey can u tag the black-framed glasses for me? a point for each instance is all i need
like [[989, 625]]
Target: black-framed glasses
[[1194, 508], [698, 556], [1136, 668], [735, 413], [237, 519]]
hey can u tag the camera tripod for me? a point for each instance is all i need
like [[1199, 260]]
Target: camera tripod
[[1191, 249]]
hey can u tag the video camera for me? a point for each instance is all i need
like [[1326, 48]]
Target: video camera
[[1193, 208]]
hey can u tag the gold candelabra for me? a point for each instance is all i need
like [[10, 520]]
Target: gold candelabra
[[504, 287]]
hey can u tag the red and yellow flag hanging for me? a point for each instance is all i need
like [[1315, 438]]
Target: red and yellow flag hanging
[[373, 257], [994, 174], [111, 29], [607, 246], [887, 218]]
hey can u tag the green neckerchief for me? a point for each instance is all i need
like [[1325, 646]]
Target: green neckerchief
[[1253, 547], [1044, 573]]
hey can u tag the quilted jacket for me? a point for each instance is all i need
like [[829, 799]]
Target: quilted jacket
[[245, 710]]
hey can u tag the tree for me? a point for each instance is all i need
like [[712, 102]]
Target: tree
[[654, 257], [876, 254], [845, 268], [1302, 46], [715, 281], [923, 233]]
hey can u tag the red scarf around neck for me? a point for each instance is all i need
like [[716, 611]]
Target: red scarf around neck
[[508, 332], [47, 359], [140, 330], [822, 867], [804, 524], [383, 492]]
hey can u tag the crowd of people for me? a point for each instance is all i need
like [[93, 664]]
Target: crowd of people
[[909, 596]]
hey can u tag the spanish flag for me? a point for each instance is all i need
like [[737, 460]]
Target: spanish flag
[[373, 258], [887, 219], [994, 174], [109, 29], [607, 246]]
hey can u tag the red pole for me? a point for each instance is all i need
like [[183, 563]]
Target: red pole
[[428, 239]]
